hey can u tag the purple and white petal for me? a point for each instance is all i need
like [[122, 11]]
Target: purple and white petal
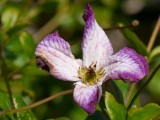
[[87, 96], [53, 54], [96, 45], [127, 65]]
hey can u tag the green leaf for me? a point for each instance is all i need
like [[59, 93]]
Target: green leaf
[[123, 87], [115, 110], [147, 112], [20, 50], [23, 115], [5, 105], [16, 29], [27, 43], [9, 17], [154, 52], [114, 90], [153, 86], [135, 42]]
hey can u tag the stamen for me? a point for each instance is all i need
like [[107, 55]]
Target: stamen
[[89, 75]]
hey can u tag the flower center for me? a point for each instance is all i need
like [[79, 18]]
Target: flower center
[[90, 75]]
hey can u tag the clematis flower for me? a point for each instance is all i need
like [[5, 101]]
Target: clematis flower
[[98, 64]]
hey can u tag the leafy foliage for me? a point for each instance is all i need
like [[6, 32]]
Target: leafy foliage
[[24, 23], [114, 109], [147, 112], [5, 105]]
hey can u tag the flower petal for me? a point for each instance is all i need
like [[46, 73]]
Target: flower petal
[[87, 96], [53, 54], [96, 45], [127, 65]]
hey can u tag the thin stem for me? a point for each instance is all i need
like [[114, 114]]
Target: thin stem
[[52, 24], [154, 35], [133, 24], [143, 86], [127, 99], [5, 77], [37, 103]]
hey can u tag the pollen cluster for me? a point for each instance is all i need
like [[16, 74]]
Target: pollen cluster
[[90, 75]]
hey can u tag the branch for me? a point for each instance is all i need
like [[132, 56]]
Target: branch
[[37, 103]]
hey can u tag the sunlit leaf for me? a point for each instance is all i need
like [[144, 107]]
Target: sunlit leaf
[[123, 87], [153, 86], [115, 91], [20, 49], [154, 52], [21, 115], [115, 110], [147, 112], [10, 17]]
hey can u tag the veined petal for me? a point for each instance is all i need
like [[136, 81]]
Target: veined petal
[[127, 65], [87, 96], [96, 45], [53, 54]]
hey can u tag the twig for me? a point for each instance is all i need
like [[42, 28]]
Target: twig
[[52, 24], [5, 77], [134, 23], [37, 103], [129, 94], [154, 35], [143, 86]]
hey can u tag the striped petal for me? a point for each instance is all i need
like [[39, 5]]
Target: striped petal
[[96, 45], [87, 96], [53, 54], [127, 65]]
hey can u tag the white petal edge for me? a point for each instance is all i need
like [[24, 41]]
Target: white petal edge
[[54, 54]]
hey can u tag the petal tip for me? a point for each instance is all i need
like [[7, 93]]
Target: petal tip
[[87, 97], [53, 34], [128, 65], [88, 12]]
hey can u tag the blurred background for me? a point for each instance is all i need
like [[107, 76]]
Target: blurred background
[[26, 22]]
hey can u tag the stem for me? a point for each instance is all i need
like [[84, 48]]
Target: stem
[[52, 24], [5, 77], [132, 87], [37, 103], [143, 86], [133, 24], [154, 35]]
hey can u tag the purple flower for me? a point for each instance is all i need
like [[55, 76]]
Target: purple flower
[[98, 65]]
